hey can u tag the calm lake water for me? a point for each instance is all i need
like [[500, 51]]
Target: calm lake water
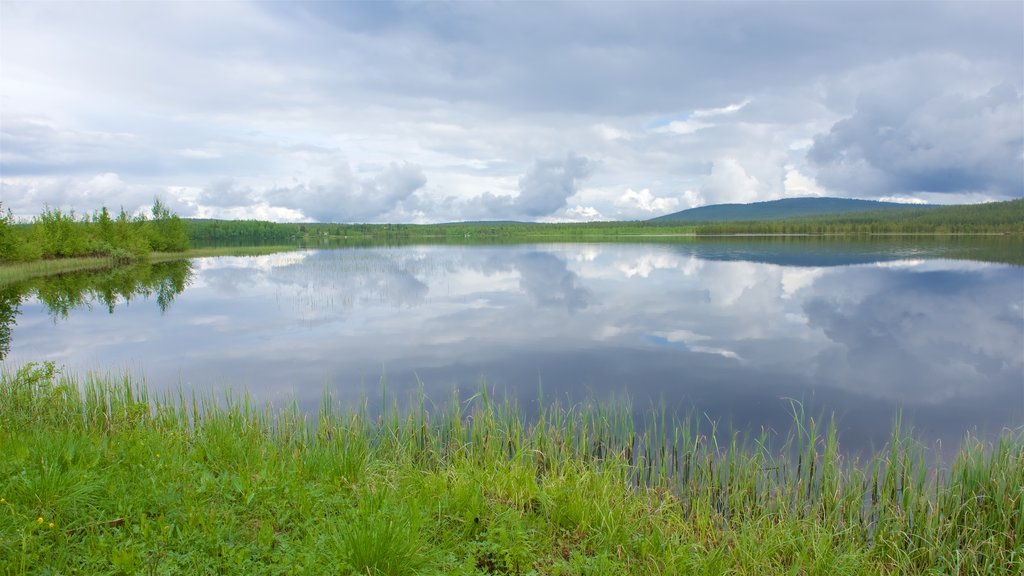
[[731, 330]]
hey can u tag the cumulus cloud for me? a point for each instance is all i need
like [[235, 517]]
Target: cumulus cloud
[[643, 204], [729, 183], [543, 191], [549, 183], [580, 212], [797, 183], [346, 198], [903, 144]]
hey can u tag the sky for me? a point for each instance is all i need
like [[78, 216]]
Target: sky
[[436, 112]]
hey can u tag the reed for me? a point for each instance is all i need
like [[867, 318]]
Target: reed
[[15, 272], [98, 475]]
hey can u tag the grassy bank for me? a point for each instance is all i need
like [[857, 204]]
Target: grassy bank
[[97, 477], [13, 272]]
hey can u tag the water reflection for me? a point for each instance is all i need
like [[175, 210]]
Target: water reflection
[[63, 293], [732, 330]]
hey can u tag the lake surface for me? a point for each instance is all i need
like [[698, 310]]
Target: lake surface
[[734, 330]]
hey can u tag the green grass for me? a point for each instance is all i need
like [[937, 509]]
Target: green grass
[[11, 273], [16, 272], [99, 477]]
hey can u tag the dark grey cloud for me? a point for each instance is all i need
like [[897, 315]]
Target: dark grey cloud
[[926, 142], [614, 58]]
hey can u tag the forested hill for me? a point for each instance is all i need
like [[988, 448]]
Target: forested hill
[[993, 217], [779, 210]]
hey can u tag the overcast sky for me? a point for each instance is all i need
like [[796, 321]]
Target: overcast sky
[[433, 112]]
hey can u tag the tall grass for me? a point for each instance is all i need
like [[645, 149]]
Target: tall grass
[[14, 272], [98, 476]]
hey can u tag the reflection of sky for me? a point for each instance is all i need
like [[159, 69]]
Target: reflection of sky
[[730, 337]]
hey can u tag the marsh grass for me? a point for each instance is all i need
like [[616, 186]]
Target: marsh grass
[[98, 476], [14, 272], [20, 271]]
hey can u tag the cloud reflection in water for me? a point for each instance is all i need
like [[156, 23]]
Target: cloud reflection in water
[[731, 337]]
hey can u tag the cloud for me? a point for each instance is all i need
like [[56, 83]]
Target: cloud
[[699, 119], [797, 184], [895, 145], [721, 111], [38, 146], [180, 98], [227, 192], [549, 183], [26, 196], [346, 198], [584, 213], [729, 183], [643, 204]]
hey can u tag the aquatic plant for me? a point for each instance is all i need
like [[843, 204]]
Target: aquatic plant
[[98, 475]]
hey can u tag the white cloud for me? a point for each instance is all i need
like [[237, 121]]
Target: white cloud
[[583, 213], [684, 127], [724, 110], [903, 200], [798, 184], [607, 132], [643, 204], [729, 183]]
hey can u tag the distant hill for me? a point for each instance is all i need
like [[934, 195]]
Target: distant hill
[[779, 210]]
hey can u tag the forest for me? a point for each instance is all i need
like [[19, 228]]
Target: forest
[[995, 217], [56, 234]]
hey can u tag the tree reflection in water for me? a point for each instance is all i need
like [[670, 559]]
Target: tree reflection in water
[[63, 293]]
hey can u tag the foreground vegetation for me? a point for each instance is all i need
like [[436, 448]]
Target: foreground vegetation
[[123, 238], [98, 477]]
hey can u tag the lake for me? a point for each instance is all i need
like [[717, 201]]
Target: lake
[[733, 330]]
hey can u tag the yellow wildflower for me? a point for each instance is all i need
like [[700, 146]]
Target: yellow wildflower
[[39, 520], [51, 524]]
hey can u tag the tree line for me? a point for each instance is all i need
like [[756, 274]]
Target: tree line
[[994, 217], [123, 237]]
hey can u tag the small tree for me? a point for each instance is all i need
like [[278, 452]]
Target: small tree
[[59, 235], [7, 238], [166, 231]]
